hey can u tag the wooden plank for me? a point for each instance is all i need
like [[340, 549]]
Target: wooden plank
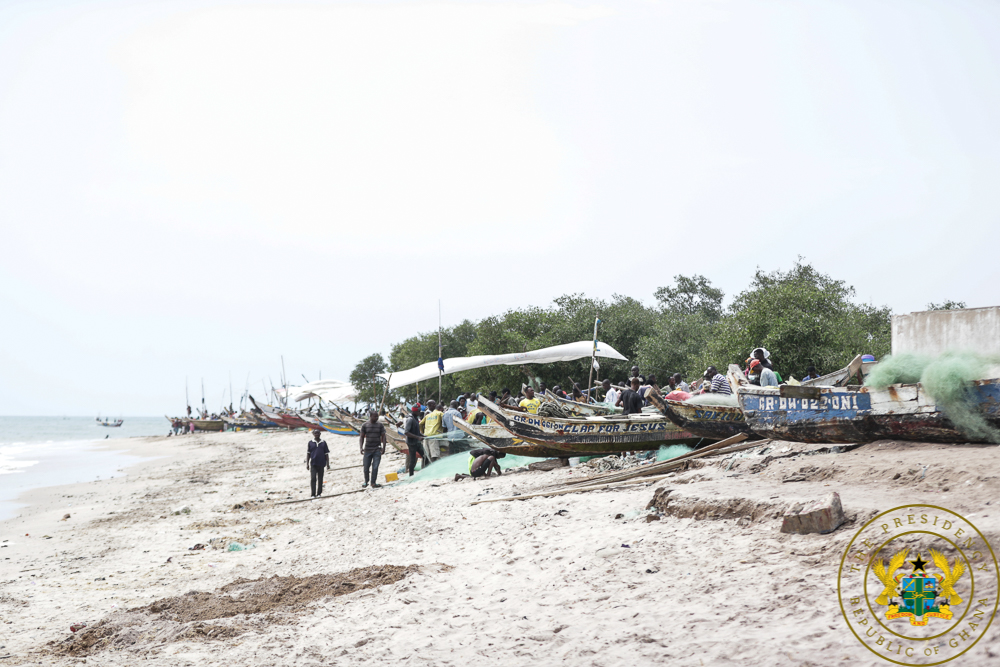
[[332, 495], [642, 478]]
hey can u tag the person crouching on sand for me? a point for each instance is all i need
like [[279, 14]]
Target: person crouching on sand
[[482, 462], [372, 448], [317, 459]]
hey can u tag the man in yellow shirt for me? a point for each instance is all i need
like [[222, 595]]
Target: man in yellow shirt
[[431, 425], [529, 402]]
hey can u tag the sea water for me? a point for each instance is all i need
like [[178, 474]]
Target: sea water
[[49, 451]]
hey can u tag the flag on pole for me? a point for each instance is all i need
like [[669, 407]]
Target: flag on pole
[[441, 364], [597, 366]]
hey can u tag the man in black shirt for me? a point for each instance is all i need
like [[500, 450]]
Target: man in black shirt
[[412, 429], [631, 400], [317, 460], [372, 447]]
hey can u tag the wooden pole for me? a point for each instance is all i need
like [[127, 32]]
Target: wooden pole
[[593, 355], [628, 477], [440, 373], [575, 489], [656, 467], [284, 380], [384, 393], [306, 500]]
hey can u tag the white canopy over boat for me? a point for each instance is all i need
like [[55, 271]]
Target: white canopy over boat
[[333, 391], [547, 355]]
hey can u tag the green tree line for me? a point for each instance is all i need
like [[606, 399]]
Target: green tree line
[[803, 317]]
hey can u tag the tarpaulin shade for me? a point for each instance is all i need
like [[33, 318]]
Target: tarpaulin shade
[[548, 355]]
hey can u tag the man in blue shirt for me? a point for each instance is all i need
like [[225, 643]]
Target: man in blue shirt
[[449, 417], [317, 461]]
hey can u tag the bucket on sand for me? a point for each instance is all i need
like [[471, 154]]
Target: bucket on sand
[[391, 477]]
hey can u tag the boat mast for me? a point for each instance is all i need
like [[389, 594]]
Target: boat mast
[[440, 360], [246, 392], [284, 380], [204, 410], [593, 360]]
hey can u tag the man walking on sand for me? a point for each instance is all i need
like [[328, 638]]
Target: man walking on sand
[[372, 448], [412, 429], [317, 461]]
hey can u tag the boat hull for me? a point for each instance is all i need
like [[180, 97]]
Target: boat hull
[[597, 435], [502, 440], [338, 427], [717, 422], [847, 415]]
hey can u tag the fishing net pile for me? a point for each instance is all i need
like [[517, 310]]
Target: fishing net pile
[[553, 409], [608, 463], [948, 380], [668, 452]]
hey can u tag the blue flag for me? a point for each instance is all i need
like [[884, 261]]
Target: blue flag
[[441, 364]]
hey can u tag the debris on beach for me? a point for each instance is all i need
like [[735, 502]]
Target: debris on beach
[[212, 523], [252, 505], [608, 463], [548, 464], [241, 606], [822, 517]]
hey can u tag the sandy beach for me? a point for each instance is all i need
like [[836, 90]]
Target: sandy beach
[[416, 573]]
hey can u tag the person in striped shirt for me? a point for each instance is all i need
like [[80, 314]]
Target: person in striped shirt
[[719, 383]]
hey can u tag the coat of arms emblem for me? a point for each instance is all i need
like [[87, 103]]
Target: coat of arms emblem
[[918, 595]]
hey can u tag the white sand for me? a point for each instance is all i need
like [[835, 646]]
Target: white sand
[[509, 583]]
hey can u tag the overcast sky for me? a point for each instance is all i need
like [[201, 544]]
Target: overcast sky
[[189, 190]]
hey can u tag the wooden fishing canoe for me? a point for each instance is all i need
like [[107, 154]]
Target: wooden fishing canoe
[[861, 414], [717, 422], [580, 409], [209, 424], [608, 434], [501, 439], [337, 426]]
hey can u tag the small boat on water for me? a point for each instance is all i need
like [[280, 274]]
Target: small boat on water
[[607, 434], [110, 423]]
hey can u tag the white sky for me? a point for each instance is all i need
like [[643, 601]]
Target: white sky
[[193, 189]]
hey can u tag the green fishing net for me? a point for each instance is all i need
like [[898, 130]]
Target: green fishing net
[[947, 378], [896, 369], [448, 466], [668, 452]]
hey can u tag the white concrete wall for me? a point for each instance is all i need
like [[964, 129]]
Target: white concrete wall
[[935, 331]]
